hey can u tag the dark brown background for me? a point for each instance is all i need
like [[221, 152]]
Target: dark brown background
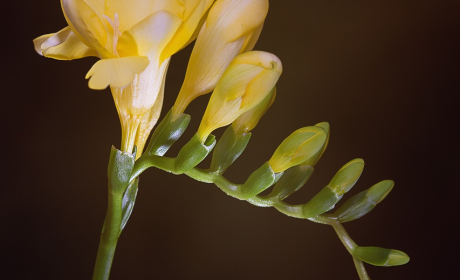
[[383, 73]]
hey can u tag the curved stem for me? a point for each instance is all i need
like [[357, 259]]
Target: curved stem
[[109, 237], [361, 269]]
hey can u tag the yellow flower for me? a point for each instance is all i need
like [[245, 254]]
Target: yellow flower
[[247, 81], [231, 28], [134, 40]]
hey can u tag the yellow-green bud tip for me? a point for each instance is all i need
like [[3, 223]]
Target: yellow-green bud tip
[[298, 148], [397, 257]]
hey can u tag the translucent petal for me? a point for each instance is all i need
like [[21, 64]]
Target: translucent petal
[[116, 72], [57, 39], [40, 40]]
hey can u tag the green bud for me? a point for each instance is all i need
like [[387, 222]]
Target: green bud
[[229, 147], [298, 148], [259, 180], [292, 180], [362, 203], [381, 256], [167, 133], [193, 153], [347, 176], [119, 170]]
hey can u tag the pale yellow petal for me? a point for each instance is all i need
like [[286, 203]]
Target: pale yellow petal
[[251, 14], [194, 11], [39, 41], [71, 48], [87, 25], [148, 121], [150, 35], [132, 12], [57, 39], [140, 95], [213, 50], [116, 72], [251, 39]]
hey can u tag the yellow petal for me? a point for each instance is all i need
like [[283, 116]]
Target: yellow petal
[[215, 48], [71, 48], [116, 72], [57, 39], [251, 14], [87, 25], [150, 35], [194, 11], [40, 40]]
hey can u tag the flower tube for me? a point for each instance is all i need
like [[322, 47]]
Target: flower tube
[[134, 40]]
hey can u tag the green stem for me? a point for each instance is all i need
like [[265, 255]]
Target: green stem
[[361, 269], [109, 237], [349, 244]]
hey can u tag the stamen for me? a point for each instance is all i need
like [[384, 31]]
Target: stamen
[[115, 23]]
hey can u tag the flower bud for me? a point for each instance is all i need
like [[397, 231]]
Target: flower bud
[[380, 256], [231, 28], [362, 203], [246, 82], [347, 176], [247, 121], [297, 148]]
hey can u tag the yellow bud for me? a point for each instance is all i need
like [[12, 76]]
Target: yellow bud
[[232, 27], [246, 82], [297, 148], [313, 160], [247, 121]]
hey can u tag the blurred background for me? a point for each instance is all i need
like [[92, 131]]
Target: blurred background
[[384, 74]]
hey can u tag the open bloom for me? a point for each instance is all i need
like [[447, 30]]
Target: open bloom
[[134, 40]]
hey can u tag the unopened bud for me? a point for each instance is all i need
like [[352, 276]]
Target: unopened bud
[[247, 121], [246, 82], [232, 27], [347, 176], [297, 148]]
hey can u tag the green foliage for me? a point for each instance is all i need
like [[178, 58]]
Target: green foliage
[[193, 153], [288, 170], [167, 133], [229, 147]]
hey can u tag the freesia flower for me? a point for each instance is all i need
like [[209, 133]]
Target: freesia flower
[[231, 28], [134, 40]]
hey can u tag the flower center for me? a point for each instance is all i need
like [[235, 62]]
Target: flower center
[[116, 33]]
